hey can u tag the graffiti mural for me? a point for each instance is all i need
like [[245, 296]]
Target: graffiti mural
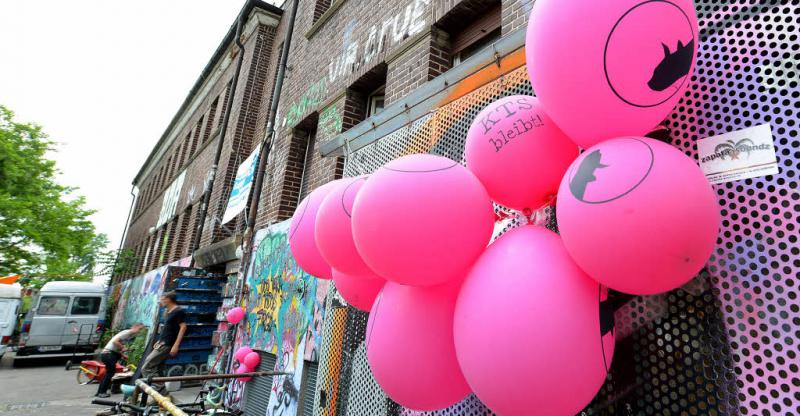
[[283, 299], [138, 299], [330, 123], [285, 394], [307, 102], [285, 309]]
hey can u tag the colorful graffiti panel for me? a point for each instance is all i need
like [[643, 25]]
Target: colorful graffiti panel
[[138, 299], [285, 304]]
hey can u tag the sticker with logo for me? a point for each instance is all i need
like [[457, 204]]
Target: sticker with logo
[[737, 155], [607, 173], [664, 53]]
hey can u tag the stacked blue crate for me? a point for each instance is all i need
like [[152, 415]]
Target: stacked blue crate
[[200, 295]]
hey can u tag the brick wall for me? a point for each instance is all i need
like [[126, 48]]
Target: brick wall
[[193, 151], [320, 99]]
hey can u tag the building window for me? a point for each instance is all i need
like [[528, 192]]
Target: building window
[[471, 29], [375, 101], [462, 55], [365, 97], [321, 7]]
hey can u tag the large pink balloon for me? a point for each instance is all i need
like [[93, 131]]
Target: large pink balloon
[[301, 234], [334, 234], [358, 290], [241, 353], [235, 315], [531, 333], [422, 220], [606, 69], [518, 153], [637, 215], [410, 346]]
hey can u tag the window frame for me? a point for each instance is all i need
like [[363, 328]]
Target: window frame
[[379, 95], [43, 298], [75, 301]]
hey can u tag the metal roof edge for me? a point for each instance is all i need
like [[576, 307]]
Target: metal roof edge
[[419, 102], [207, 70]]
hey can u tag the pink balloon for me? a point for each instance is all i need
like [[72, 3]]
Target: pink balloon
[[241, 353], [358, 290], [422, 220], [301, 234], [235, 315], [244, 369], [530, 329], [334, 234], [518, 153], [252, 359], [637, 215], [410, 346], [609, 69]]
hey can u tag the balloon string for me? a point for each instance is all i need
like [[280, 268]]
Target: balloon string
[[602, 345], [527, 213]]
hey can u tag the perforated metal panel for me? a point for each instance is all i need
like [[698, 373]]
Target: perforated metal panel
[[724, 344]]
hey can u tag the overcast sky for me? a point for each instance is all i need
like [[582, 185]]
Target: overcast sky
[[104, 78]]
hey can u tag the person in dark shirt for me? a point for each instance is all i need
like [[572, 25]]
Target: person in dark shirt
[[169, 341]]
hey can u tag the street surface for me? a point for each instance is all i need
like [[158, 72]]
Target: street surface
[[45, 388]]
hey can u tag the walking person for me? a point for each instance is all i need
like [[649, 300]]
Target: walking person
[[112, 352], [169, 340]]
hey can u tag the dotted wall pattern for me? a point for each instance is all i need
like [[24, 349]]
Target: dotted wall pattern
[[727, 342], [746, 75]]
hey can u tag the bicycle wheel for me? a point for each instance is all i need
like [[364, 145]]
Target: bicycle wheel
[[85, 376]]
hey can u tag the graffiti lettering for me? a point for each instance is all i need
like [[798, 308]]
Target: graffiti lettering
[[406, 23]]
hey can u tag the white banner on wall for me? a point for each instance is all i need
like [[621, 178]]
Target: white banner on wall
[[241, 186], [170, 202], [737, 155]]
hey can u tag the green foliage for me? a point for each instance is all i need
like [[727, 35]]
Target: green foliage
[[120, 263], [137, 346], [106, 336], [44, 228]]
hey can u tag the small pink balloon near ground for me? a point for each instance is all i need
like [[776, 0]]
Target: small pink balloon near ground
[[241, 353], [235, 315], [252, 359], [244, 369]]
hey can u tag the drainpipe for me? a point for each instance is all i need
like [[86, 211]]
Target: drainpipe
[[124, 235], [223, 129], [263, 157], [266, 147]]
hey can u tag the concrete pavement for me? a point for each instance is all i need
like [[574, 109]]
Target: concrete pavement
[[45, 388]]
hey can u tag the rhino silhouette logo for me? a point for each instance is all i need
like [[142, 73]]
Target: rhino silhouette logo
[[674, 66], [585, 174]]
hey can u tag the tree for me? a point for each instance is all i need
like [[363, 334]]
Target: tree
[[44, 228]]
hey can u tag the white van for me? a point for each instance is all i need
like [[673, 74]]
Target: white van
[[10, 300], [66, 318]]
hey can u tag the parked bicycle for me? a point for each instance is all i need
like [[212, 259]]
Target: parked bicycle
[[92, 371]]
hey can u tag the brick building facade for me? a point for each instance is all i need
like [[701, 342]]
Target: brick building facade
[[370, 80], [348, 60]]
